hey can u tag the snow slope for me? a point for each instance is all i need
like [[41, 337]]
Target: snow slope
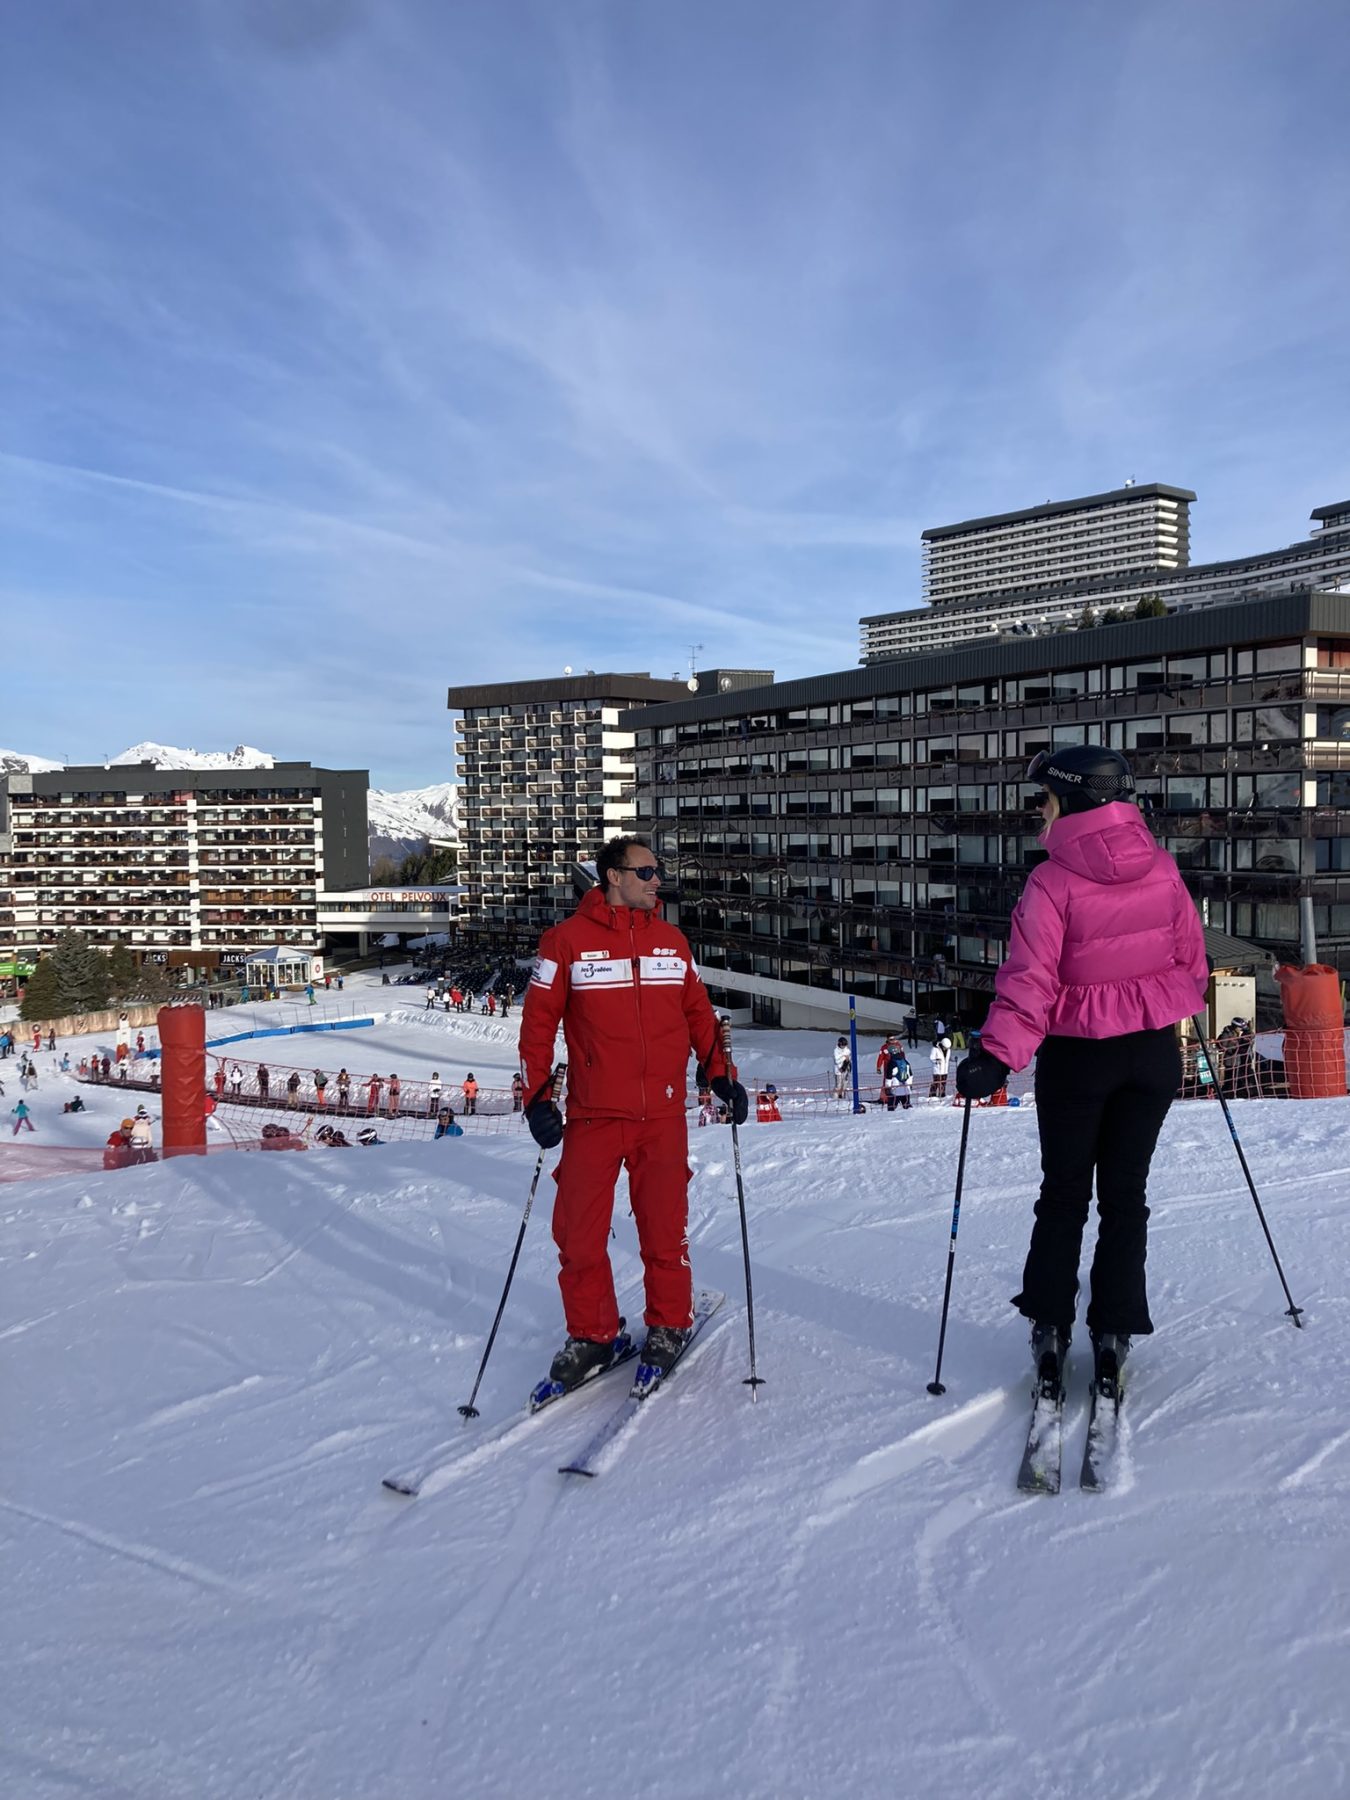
[[835, 1591]]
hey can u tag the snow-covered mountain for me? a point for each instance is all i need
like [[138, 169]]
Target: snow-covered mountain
[[15, 762], [402, 822], [163, 756], [166, 756]]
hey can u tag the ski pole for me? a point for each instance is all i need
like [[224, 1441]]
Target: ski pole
[[469, 1410], [753, 1380], [1293, 1312], [935, 1385]]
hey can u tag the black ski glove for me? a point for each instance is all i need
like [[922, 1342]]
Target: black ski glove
[[545, 1122], [981, 1074], [733, 1095]]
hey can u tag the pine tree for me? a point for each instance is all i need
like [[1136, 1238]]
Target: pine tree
[[123, 973], [426, 868], [1152, 606], [1087, 619], [42, 992], [83, 974]]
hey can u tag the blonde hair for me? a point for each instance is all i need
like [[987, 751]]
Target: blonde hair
[[1053, 814]]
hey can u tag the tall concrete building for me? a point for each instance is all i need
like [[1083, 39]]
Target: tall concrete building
[[187, 867], [1035, 572], [1128, 531], [546, 775]]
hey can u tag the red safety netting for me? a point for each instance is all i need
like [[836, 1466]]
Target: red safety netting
[[40, 1162]]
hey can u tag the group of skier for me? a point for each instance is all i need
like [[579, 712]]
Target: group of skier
[[1106, 958], [453, 998]]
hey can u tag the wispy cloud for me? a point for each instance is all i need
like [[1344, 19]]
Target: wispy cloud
[[354, 349]]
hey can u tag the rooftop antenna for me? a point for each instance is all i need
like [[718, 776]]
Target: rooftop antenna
[[693, 659]]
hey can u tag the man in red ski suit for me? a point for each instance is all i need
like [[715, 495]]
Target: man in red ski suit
[[623, 984]]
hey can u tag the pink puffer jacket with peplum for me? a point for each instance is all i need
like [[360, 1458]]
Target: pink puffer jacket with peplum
[[1105, 940]]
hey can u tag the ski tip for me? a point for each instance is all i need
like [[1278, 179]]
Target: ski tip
[[407, 1490], [573, 1469]]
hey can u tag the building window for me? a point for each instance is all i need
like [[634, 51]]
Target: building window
[[1268, 724], [1267, 659], [1276, 788]]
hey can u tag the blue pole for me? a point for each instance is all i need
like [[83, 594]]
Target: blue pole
[[853, 1049]]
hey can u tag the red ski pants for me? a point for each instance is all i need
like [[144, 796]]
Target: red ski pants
[[656, 1155]]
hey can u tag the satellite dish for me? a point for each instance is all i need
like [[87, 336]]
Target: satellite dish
[[692, 684], [567, 669]]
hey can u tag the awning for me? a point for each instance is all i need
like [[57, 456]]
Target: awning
[[1235, 953]]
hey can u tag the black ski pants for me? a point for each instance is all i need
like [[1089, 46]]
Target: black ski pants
[[1100, 1104]]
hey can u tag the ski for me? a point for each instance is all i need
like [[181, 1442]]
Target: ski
[[646, 1382], [1040, 1469], [1099, 1453], [409, 1483]]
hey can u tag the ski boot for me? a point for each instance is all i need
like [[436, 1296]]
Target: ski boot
[[663, 1349], [1049, 1346], [580, 1360], [1109, 1350], [665, 1346]]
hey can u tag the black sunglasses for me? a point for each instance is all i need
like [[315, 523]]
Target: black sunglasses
[[648, 871]]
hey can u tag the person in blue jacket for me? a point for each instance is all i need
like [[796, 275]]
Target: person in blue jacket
[[446, 1126]]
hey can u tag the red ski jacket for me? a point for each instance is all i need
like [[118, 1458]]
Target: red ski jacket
[[632, 1007]]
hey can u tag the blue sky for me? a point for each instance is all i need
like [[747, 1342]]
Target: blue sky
[[357, 347]]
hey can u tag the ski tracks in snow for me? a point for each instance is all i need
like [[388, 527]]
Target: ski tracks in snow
[[945, 1439], [179, 1567], [458, 1642]]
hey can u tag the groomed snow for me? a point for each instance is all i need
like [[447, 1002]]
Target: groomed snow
[[837, 1591]]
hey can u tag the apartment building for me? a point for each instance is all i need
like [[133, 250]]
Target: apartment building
[[546, 776], [187, 867], [546, 769], [1128, 531], [1053, 599], [868, 832]]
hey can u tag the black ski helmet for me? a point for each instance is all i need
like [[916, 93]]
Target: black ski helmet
[[1083, 776]]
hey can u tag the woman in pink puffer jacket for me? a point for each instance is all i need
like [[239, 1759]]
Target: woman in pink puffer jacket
[[1107, 954]]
